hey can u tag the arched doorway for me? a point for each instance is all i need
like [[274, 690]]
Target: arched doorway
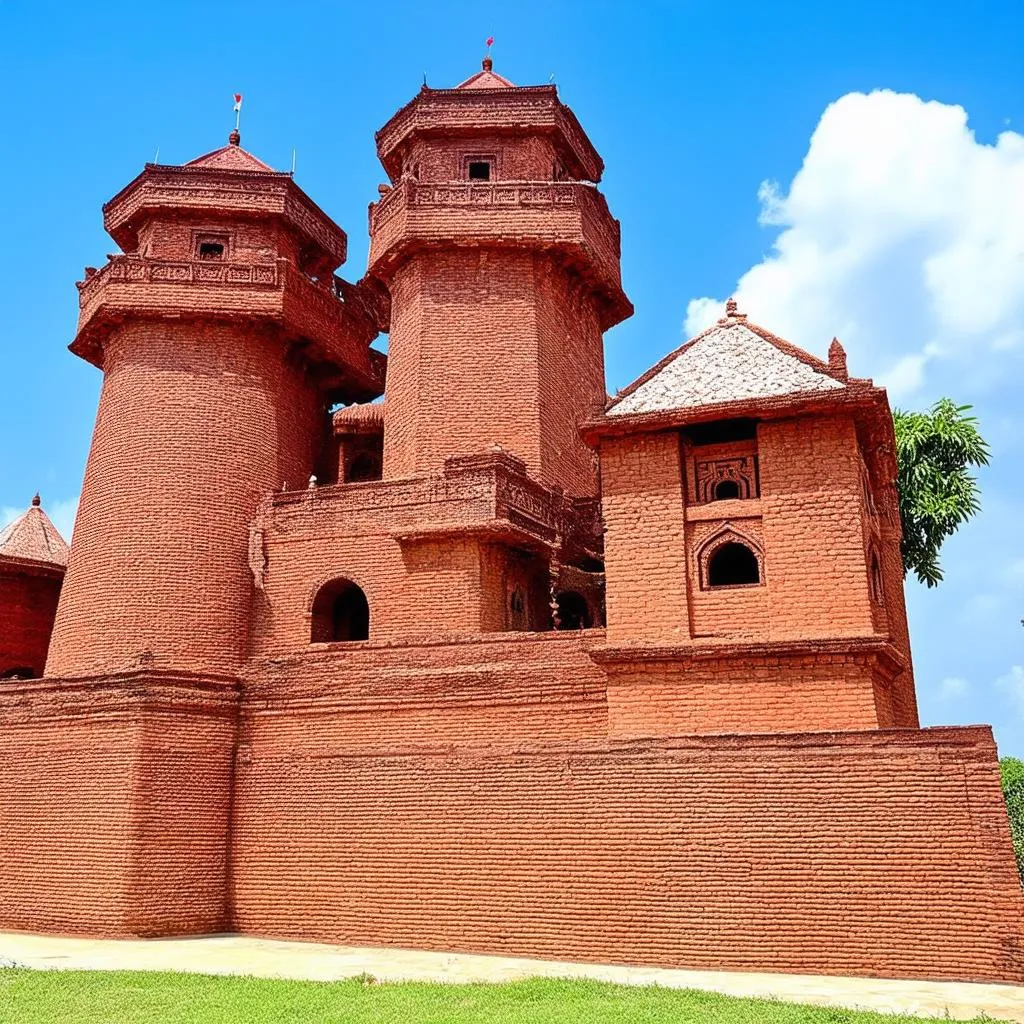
[[340, 614]]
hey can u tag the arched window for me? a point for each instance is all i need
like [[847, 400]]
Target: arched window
[[573, 612], [341, 614], [727, 489], [733, 565]]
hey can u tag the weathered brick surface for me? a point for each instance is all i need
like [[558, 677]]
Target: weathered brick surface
[[727, 776], [180, 459], [849, 853], [115, 805]]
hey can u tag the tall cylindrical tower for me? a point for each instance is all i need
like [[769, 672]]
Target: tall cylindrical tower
[[221, 340], [503, 265]]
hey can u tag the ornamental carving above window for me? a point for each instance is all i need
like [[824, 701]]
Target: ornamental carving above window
[[718, 479]]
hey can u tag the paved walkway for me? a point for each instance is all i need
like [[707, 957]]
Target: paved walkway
[[271, 958]]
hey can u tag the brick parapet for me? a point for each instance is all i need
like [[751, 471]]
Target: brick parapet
[[566, 218], [332, 337]]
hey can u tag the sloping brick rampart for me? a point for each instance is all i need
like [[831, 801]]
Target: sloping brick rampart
[[733, 852], [115, 798]]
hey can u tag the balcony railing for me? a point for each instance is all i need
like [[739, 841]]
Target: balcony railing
[[497, 194], [275, 291]]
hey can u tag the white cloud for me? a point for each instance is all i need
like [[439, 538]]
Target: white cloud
[[953, 688], [1012, 684], [901, 234]]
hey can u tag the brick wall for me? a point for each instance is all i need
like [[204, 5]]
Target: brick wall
[[115, 805], [755, 689], [839, 853], [812, 508], [28, 604], [645, 550], [491, 347]]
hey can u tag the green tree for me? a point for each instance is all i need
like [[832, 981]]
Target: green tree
[[1011, 774], [935, 451]]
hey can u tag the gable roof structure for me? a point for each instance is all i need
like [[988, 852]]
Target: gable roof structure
[[32, 538], [731, 361]]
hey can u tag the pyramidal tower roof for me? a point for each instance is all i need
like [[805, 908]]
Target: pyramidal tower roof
[[486, 78], [232, 158], [731, 361], [32, 537]]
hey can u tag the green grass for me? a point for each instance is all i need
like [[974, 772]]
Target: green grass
[[132, 997]]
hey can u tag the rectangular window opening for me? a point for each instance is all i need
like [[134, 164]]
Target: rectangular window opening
[[211, 250], [479, 170]]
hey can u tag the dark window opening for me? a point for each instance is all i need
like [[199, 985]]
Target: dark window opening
[[362, 468], [877, 593], [725, 489], [722, 432], [479, 170], [591, 565], [733, 565], [211, 250], [22, 672], [341, 614], [573, 612]]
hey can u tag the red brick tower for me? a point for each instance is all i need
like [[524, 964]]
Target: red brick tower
[[503, 265], [222, 339], [33, 556]]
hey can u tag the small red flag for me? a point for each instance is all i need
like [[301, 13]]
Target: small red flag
[[490, 40]]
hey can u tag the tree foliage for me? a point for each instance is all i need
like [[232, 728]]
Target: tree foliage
[[1011, 773], [935, 451]]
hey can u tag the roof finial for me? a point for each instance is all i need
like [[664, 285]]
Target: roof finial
[[487, 63], [36, 501], [235, 138], [837, 360], [730, 307]]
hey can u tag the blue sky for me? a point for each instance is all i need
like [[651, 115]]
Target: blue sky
[[852, 168]]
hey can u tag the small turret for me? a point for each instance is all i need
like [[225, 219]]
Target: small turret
[[33, 557]]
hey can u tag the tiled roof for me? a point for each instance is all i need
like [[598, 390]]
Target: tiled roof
[[731, 361], [360, 415], [33, 538]]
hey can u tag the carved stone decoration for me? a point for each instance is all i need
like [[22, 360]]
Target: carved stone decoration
[[741, 471]]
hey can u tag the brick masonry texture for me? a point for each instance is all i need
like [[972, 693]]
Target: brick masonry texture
[[473, 669]]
